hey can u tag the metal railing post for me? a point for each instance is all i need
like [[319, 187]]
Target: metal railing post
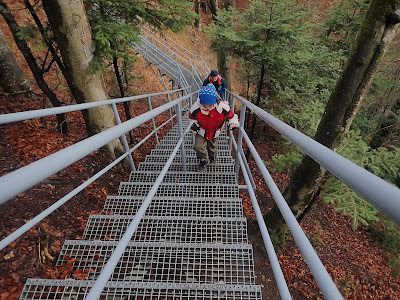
[[181, 136], [318, 270], [123, 137], [152, 120], [232, 105], [108, 269], [273, 259], [240, 137], [170, 111]]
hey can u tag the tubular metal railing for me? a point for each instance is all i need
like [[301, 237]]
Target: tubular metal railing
[[193, 62], [22, 179], [381, 194], [176, 55]]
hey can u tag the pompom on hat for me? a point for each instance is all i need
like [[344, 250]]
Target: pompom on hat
[[208, 95]]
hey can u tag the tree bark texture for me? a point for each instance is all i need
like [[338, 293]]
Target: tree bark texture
[[259, 91], [213, 5], [12, 78], [30, 59], [223, 62], [73, 34], [197, 10], [369, 47]]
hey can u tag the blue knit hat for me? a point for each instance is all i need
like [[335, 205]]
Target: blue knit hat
[[208, 95]]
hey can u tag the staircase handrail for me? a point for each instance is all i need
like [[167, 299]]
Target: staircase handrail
[[381, 194], [318, 270], [35, 220], [378, 192], [196, 62], [177, 67], [26, 177], [108, 269], [39, 113]]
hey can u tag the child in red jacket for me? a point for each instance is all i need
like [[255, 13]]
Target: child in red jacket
[[209, 116]]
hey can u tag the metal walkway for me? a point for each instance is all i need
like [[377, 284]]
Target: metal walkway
[[191, 244], [174, 233]]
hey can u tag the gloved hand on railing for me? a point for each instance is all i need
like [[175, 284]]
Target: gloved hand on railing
[[232, 126]]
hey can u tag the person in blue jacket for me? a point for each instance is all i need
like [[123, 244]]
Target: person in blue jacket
[[218, 81]]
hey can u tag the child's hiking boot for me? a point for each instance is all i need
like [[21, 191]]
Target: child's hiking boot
[[202, 165]]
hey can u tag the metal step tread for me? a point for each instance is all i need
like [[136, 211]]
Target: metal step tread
[[189, 159], [78, 289], [175, 136], [188, 152], [183, 177], [180, 190], [165, 262], [189, 141], [175, 206], [174, 167], [168, 229], [171, 146]]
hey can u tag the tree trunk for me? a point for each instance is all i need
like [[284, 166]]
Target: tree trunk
[[74, 38], [259, 90], [197, 21], [222, 58], [224, 68], [12, 78], [371, 43], [30, 59], [46, 39], [213, 5], [127, 106]]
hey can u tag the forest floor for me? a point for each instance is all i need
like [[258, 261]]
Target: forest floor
[[357, 264]]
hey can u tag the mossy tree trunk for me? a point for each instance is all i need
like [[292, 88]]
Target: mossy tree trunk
[[379, 27], [12, 78], [73, 34]]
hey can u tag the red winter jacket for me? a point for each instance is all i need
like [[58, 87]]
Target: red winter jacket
[[209, 123]]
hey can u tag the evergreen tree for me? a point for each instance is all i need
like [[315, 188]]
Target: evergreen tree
[[298, 68], [369, 47], [116, 24]]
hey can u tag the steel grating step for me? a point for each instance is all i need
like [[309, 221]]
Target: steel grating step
[[175, 136], [116, 290], [216, 168], [179, 207], [189, 160], [165, 262], [190, 142], [171, 146], [168, 229], [188, 152], [180, 190], [184, 177]]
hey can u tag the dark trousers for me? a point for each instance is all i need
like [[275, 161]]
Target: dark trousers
[[205, 149]]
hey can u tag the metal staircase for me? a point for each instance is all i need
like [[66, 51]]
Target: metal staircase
[[174, 233], [191, 243]]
